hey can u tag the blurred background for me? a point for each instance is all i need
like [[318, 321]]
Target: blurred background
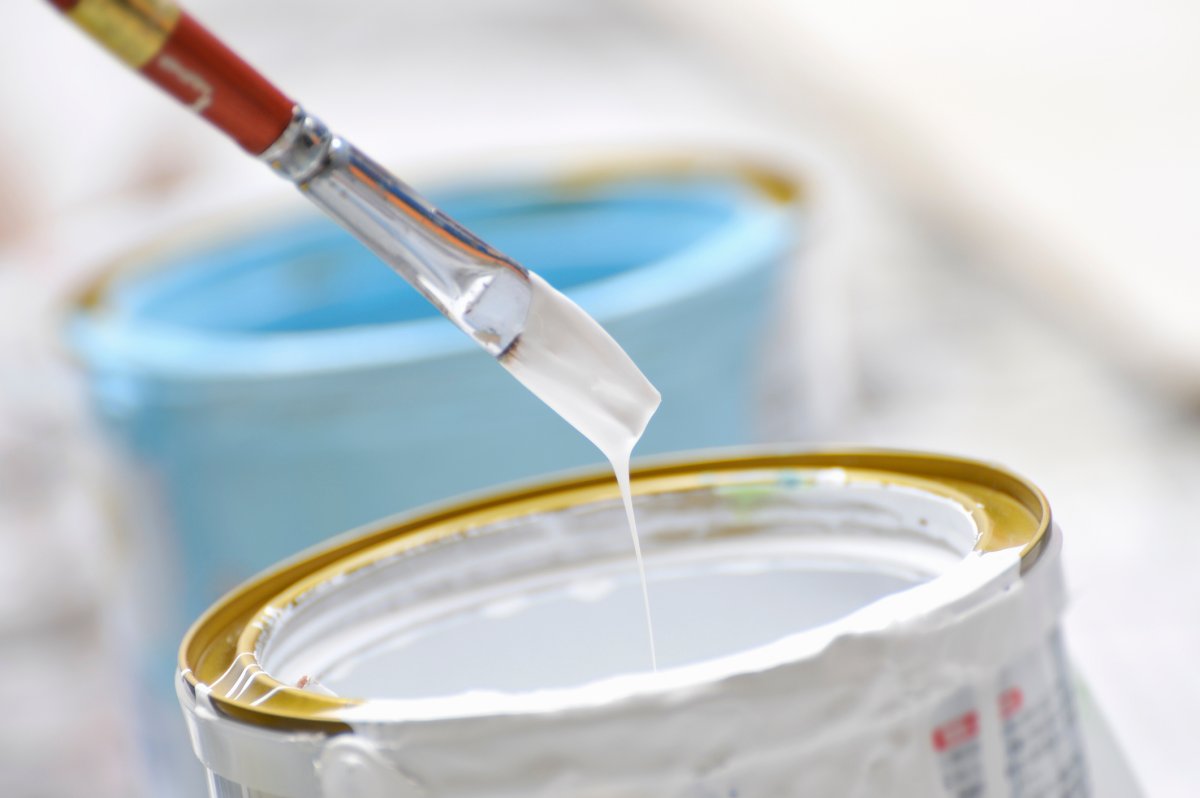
[[994, 255]]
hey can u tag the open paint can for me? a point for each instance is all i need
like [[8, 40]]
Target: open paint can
[[272, 383], [828, 623]]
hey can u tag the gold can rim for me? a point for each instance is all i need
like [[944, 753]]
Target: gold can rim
[[218, 650]]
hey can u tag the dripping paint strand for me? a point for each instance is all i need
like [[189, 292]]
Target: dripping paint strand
[[569, 362]]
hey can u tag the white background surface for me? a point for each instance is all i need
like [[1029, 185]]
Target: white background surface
[[1001, 265]]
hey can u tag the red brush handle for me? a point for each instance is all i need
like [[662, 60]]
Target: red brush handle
[[174, 51]]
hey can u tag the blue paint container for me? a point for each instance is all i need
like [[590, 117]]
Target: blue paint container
[[278, 385]]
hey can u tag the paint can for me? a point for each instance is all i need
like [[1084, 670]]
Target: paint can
[[271, 383], [851, 623]]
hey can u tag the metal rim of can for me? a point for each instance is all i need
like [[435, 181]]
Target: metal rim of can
[[218, 650]]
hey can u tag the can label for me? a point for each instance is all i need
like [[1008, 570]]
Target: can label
[[956, 743], [1040, 742]]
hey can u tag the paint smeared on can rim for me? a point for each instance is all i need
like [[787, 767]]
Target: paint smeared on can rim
[[1011, 515]]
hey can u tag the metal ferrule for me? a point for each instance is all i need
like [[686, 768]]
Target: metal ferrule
[[482, 291], [301, 150]]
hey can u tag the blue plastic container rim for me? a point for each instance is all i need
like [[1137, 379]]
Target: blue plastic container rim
[[758, 227]]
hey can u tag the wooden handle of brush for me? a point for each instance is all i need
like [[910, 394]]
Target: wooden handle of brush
[[162, 42]]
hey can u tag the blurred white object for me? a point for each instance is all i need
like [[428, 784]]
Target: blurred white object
[[1061, 136], [60, 663]]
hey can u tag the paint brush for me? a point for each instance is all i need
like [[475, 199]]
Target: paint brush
[[479, 289]]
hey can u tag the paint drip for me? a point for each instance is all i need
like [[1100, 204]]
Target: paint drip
[[566, 359]]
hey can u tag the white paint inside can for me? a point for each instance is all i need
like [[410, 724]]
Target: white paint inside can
[[553, 602], [557, 635]]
